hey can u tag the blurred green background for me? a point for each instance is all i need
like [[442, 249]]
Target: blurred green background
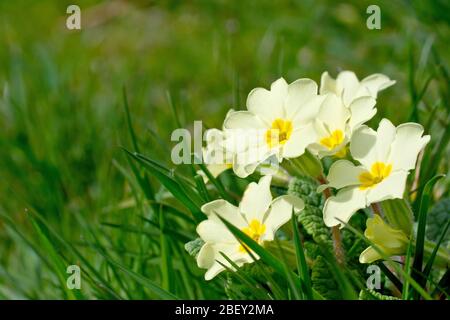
[[62, 117]]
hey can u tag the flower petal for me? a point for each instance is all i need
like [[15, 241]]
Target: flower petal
[[256, 199], [391, 187], [368, 146], [369, 255], [205, 257], [226, 210], [280, 212], [232, 252], [299, 92], [380, 233], [268, 105], [299, 140], [333, 113], [214, 231], [308, 111], [362, 145], [217, 169], [385, 135], [348, 80], [362, 109], [329, 85], [351, 89], [343, 206], [243, 120], [243, 170], [344, 173], [377, 82], [245, 162], [407, 144]]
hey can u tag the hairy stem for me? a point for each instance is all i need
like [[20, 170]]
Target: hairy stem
[[339, 252], [376, 208]]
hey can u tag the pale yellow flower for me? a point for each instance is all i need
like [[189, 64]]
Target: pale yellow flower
[[348, 87], [277, 123], [386, 156], [335, 123], [258, 215], [388, 240]]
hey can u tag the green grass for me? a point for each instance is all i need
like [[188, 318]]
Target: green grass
[[85, 171]]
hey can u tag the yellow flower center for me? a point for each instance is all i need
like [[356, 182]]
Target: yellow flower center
[[378, 172], [255, 230], [333, 140], [279, 133], [341, 153]]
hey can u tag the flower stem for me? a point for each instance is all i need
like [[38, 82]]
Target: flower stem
[[337, 245], [376, 208], [339, 252]]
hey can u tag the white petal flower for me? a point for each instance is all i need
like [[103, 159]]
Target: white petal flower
[[335, 123], [347, 85], [258, 215], [215, 156], [386, 157], [278, 122]]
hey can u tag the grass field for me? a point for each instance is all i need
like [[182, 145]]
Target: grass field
[[70, 194]]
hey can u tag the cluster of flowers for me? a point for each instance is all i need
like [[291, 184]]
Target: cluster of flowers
[[282, 123]]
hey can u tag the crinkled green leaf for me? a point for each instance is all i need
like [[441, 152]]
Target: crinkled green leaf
[[370, 294], [311, 217], [323, 281], [436, 220]]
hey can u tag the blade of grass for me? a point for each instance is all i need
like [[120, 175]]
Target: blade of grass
[[202, 188], [298, 295], [173, 186], [142, 180], [406, 287], [101, 282], [160, 292], [270, 281], [128, 117], [420, 238], [173, 108], [251, 283], [166, 265], [392, 277], [302, 266], [265, 256], [174, 211], [216, 182], [443, 285], [173, 231], [56, 262], [431, 259]]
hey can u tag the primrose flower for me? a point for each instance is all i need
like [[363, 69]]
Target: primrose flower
[[257, 215], [385, 158], [278, 123], [347, 85], [216, 158], [335, 123], [387, 239]]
